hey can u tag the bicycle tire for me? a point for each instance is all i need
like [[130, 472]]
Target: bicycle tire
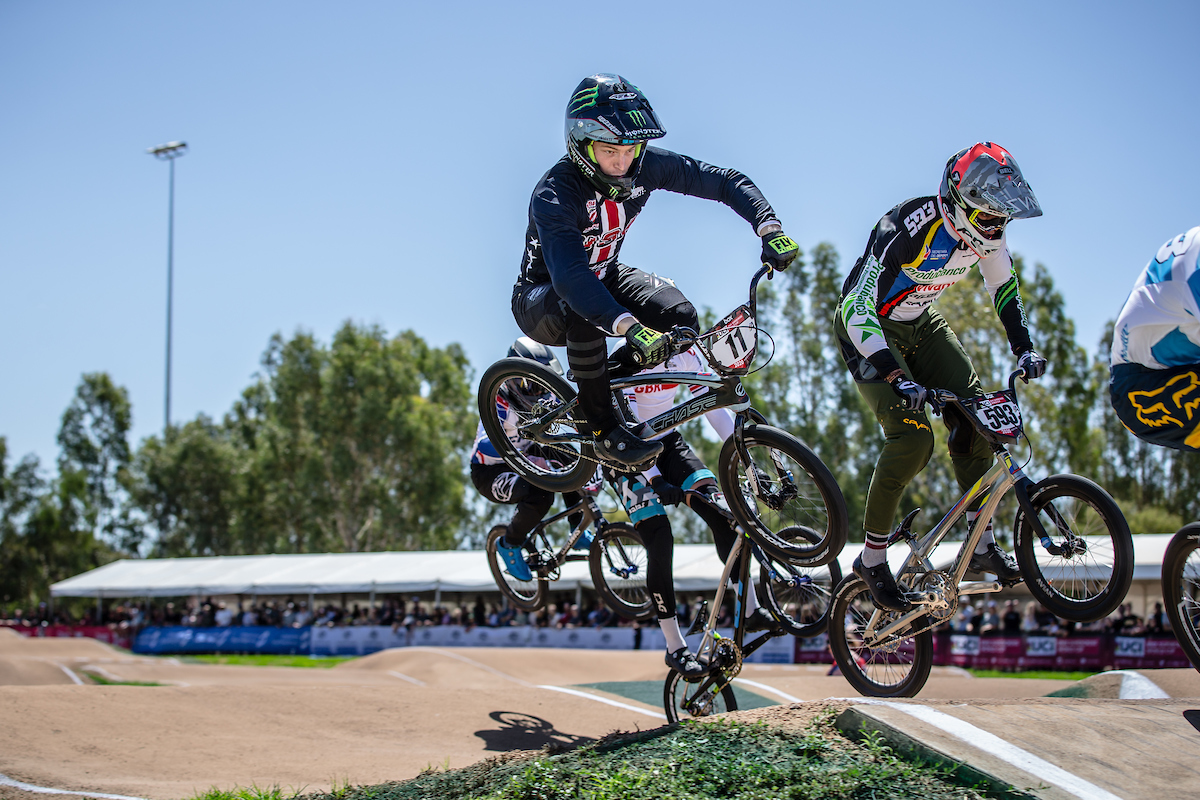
[[678, 693], [899, 667], [802, 609], [525, 595], [1181, 589], [616, 548], [800, 494], [1080, 587], [578, 464]]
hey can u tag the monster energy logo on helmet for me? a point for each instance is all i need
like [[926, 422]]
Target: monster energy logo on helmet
[[638, 118], [584, 98]]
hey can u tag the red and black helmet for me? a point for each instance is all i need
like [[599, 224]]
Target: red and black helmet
[[982, 189], [608, 108]]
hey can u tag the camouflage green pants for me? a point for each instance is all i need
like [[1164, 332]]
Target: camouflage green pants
[[931, 354]]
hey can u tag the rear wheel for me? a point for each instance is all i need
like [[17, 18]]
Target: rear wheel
[[1181, 589], [559, 460], [683, 700], [796, 495], [525, 595], [799, 597], [1085, 567], [895, 665], [618, 564]]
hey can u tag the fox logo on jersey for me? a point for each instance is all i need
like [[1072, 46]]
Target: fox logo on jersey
[[1175, 402]]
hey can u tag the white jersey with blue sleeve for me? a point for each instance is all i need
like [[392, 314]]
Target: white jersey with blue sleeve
[[649, 401], [1159, 326]]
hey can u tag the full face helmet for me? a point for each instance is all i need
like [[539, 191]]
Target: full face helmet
[[608, 108], [524, 393], [982, 189]]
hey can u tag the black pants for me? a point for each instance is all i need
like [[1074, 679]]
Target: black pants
[[498, 483], [545, 317]]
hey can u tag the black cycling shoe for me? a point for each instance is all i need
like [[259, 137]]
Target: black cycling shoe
[[761, 620], [882, 583], [621, 446], [684, 662], [997, 562]]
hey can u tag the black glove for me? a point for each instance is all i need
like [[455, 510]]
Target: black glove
[[647, 346], [779, 250], [911, 392], [668, 493], [1033, 364]]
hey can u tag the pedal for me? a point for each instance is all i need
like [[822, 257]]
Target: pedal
[[903, 531]]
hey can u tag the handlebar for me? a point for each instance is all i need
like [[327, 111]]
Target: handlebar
[[939, 398]]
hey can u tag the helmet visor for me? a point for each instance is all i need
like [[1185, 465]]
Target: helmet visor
[[998, 189]]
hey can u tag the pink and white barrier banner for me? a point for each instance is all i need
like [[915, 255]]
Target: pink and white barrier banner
[[118, 637], [1069, 653]]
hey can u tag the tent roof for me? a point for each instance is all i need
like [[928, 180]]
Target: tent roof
[[697, 568]]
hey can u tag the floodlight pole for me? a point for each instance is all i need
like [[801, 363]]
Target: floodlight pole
[[169, 152]]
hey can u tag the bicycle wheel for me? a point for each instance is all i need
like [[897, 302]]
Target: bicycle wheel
[[525, 595], [1181, 589], [799, 597], [683, 700], [1082, 572], [896, 665], [796, 494], [618, 563], [558, 461]]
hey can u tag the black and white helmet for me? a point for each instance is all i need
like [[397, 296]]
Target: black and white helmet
[[524, 393], [608, 108], [982, 189]]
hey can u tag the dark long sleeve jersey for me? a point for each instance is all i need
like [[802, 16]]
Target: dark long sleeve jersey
[[575, 235], [911, 258]]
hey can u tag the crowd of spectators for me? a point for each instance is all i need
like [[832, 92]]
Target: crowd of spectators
[[985, 617], [1010, 619]]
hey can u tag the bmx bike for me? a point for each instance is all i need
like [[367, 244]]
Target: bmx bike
[[614, 551], [798, 598], [1072, 544], [1181, 589], [775, 485]]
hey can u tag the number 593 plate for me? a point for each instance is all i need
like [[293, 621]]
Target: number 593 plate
[[999, 413]]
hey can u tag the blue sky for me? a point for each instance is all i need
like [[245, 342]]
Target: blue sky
[[373, 161]]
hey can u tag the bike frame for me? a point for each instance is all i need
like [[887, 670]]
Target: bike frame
[[1004, 475], [592, 514]]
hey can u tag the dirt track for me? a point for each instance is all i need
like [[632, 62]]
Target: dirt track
[[380, 718]]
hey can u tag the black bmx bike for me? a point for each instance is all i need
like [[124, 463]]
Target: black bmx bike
[[614, 551], [1181, 589], [797, 598], [1072, 544], [779, 490]]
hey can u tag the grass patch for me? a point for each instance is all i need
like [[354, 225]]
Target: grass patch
[[102, 681], [696, 760], [268, 660], [1043, 674]]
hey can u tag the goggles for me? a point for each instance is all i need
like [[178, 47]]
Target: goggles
[[990, 225]]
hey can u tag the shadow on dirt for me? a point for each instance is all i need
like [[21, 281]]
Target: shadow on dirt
[[518, 731]]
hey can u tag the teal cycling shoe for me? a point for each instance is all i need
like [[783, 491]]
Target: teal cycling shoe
[[584, 542], [514, 561]]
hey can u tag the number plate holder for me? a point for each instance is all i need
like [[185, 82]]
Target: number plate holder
[[731, 343], [997, 414]]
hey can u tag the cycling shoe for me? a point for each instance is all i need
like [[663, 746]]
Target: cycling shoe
[[684, 662], [997, 562], [514, 561], [761, 620], [622, 447], [882, 583]]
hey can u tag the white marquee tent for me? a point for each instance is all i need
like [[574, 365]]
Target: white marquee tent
[[697, 568]]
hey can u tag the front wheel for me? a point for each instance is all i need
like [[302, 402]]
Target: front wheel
[[782, 495], [799, 597], [525, 595], [683, 700], [1084, 567], [618, 563], [526, 402], [1181, 589], [893, 665]]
